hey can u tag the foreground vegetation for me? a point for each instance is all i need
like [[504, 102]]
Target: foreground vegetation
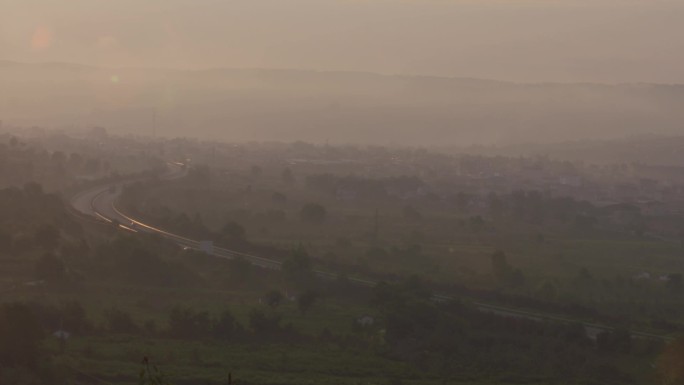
[[122, 298], [84, 303]]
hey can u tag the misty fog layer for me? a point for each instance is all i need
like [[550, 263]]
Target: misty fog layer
[[340, 107], [520, 40], [285, 192]]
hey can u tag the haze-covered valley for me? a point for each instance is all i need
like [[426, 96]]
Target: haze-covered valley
[[337, 192]]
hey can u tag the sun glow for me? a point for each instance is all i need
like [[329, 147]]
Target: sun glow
[[42, 38]]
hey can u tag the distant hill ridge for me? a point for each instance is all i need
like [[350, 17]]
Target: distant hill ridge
[[336, 106]]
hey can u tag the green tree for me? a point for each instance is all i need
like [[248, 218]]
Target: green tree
[[119, 321], [313, 213], [226, 326], [75, 161], [675, 283], [500, 267], [504, 273], [274, 298], [50, 268], [47, 236], [186, 323], [306, 300], [614, 341], [262, 323], [20, 336], [297, 268], [240, 270], [92, 166], [73, 317], [233, 230], [287, 176]]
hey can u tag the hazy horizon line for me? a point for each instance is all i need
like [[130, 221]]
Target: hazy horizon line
[[333, 71]]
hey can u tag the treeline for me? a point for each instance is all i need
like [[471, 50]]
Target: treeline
[[537, 207], [451, 340], [139, 261], [25, 209], [627, 302], [29, 333], [365, 188], [25, 161], [459, 342], [37, 234], [43, 320], [23, 356], [263, 325]]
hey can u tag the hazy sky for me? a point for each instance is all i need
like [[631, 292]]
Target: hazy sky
[[520, 40]]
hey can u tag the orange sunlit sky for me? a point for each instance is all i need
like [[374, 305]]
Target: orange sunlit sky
[[519, 40]]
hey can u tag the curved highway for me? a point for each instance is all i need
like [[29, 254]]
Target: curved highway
[[100, 202]]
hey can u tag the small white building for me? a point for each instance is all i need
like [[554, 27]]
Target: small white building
[[365, 320]]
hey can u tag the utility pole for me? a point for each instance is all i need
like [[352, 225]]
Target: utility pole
[[376, 229]]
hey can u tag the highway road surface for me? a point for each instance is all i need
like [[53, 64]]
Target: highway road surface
[[100, 203]]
